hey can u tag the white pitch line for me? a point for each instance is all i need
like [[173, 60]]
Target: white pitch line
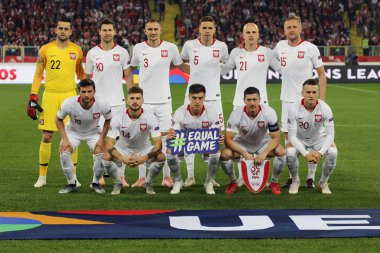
[[356, 89], [357, 125]]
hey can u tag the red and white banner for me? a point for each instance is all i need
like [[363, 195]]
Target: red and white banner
[[255, 176], [18, 73]]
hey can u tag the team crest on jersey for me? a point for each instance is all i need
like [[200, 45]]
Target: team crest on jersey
[[215, 53], [205, 124], [164, 53], [318, 117], [143, 127], [96, 115], [116, 57], [301, 54], [261, 124], [261, 58], [73, 56]]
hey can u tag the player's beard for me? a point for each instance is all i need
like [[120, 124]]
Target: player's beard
[[108, 40], [135, 108], [64, 39], [294, 38], [86, 102], [253, 111]]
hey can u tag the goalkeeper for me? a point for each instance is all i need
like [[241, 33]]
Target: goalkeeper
[[60, 59]]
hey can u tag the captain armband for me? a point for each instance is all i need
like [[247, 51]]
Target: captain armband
[[274, 127]]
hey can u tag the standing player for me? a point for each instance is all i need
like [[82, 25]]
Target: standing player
[[84, 112], [205, 55], [247, 134], [108, 62], [155, 56], [134, 148], [61, 59], [297, 58], [311, 133], [252, 62], [192, 116]]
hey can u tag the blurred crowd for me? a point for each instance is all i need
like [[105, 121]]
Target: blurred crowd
[[30, 23], [322, 20], [366, 16]]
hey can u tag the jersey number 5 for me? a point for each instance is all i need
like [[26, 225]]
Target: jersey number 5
[[196, 59], [283, 61]]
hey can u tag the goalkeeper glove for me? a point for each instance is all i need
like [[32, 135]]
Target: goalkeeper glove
[[32, 106]]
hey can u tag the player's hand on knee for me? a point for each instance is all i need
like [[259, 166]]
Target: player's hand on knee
[[32, 106], [171, 135], [248, 156], [317, 156], [310, 158], [221, 139], [100, 146], [259, 159], [65, 146]]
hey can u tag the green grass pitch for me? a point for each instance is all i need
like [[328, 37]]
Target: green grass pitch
[[354, 183]]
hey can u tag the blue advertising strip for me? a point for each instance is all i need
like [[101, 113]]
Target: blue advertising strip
[[334, 74], [193, 224]]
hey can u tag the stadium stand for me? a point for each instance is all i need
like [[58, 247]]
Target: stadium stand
[[351, 23], [31, 23], [322, 20]]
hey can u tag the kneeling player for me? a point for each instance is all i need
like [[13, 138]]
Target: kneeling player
[[311, 133], [84, 112], [192, 116], [134, 148], [247, 134]]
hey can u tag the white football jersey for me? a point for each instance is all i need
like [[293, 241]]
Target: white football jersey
[[154, 65], [252, 133], [82, 120], [183, 119], [252, 70], [108, 67], [297, 64], [205, 65], [310, 127], [134, 134]]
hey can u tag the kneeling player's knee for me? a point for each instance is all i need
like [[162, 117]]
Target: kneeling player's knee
[[332, 155], [66, 161], [215, 156], [106, 163], [279, 162], [107, 156], [160, 157], [280, 151], [291, 157], [47, 136], [291, 151], [225, 154], [97, 150]]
